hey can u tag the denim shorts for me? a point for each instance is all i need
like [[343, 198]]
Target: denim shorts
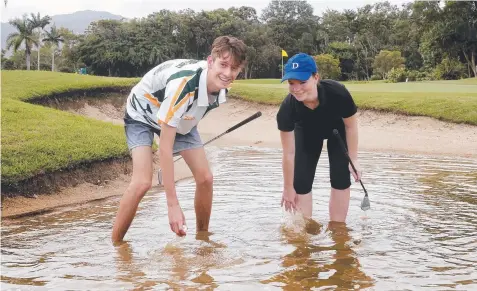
[[141, 134]]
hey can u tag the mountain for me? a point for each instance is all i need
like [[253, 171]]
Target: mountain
[[77, 22], [80, 20]]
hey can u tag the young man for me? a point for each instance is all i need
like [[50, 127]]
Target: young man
[[307, 116], [170, 100]]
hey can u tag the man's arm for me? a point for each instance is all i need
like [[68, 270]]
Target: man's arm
[[167, 137], [169, 115]]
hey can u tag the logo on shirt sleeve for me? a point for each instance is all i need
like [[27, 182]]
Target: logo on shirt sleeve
[[189, 117]]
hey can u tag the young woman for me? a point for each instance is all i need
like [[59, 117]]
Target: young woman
[[307, 117]]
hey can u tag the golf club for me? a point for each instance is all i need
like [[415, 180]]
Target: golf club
[[365, 205], [243, 122]]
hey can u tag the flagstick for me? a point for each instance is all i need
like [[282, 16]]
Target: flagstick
[[282, 65]]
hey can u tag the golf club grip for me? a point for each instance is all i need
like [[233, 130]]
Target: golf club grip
[[256, 115], [343, 146]]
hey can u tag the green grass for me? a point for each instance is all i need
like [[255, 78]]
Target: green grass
[[454, 101], [259, 81], [37, 139]]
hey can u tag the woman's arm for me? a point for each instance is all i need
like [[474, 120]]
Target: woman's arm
[[288, 158], [351, 126]]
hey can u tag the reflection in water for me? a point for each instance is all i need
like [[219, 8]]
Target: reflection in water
[[419, 234], [185, 265], [314, 265], [193, 267], [128, 269]]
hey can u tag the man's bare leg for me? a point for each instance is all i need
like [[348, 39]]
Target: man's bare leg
[[339, 204], [140, 183], [196, 159]]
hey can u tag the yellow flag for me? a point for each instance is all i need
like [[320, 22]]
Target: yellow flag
[[284, 53]]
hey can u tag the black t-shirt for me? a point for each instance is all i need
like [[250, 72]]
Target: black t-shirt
[[335, 103]]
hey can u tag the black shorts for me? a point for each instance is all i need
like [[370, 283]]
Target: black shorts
[[306, 160]]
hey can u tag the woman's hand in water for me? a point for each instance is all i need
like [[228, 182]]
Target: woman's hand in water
[[289, 199]]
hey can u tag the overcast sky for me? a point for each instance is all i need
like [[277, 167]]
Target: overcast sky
[[141, 8]]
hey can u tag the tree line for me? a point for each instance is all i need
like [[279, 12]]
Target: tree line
[[416, 41]]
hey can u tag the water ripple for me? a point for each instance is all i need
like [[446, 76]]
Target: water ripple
[[420, 233]]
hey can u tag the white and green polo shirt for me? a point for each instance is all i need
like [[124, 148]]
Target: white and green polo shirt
[[175, 93]]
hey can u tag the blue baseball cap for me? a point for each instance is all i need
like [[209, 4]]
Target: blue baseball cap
[[300, 67]]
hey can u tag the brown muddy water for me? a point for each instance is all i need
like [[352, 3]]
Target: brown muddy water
[[420, 234]]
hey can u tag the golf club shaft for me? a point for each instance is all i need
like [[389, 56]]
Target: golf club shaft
[[345, 150], [243, 122]]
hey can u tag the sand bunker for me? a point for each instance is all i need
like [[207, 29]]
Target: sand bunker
[[383, 132]]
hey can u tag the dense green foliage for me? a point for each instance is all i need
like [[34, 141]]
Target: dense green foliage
[[431, 40]]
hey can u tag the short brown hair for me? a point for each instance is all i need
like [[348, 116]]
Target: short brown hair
[[232, 45]]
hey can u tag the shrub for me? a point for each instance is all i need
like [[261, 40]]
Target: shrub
[[328, 66], [375, 78], [396, 75], [449, 69]]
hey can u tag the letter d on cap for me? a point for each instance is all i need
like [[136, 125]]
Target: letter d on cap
[[295, 65]]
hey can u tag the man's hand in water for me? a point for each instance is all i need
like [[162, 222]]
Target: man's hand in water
[[176, 219]]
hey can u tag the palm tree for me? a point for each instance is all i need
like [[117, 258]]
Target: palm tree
[[23, 35], [53, 37], [39, 22]]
